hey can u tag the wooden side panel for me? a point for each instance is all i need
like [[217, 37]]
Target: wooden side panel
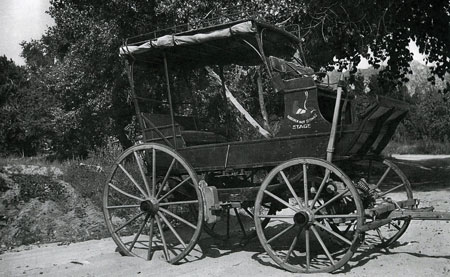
[[255, 153], [378, 126], [201, 137]]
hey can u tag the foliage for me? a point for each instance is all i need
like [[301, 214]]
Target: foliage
[[76, 95], [350, 28], [24, 111], [40, 187], [87, 182], [430, 117], [344, 30], [429, 110]]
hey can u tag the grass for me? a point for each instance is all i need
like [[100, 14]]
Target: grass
[[86, 176], [36, 160]]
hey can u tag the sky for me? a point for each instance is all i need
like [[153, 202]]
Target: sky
[[26, 19], [21, 20], [412, 48]]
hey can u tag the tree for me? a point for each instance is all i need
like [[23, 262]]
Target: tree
[[25, 118], [346, 29], [76, 62]]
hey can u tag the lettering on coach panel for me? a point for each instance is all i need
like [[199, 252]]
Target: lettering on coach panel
[[302, 116]]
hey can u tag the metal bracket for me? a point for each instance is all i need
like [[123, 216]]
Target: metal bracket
[[210, 201]]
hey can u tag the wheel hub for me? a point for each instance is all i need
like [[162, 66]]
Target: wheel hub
[[303, 218], [149, 206]]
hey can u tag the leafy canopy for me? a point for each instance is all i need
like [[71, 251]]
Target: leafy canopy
[[75, 66]]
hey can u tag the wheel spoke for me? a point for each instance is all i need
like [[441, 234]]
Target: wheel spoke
[[324, 247], [132, 180], [322, 185], [174, 188], [280, 200], [178, 217], [336, 216], [128, 222], [150, 239], [166, 252], [214, 225], [382, 177], [125, 193], [380, 235], [153, 171], [291, 189], [123, 206], [395, 225], [172, 229], [331, 200], [274, 216], [281, 233], [249, 213], [139, 232], [348, 226], [307, 250], [291, 248], [333, 233], [178, 203], [165, 178], [390, 190], [305, 184], [144, 178]]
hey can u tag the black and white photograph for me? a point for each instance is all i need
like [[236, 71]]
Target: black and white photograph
[[224, 138]]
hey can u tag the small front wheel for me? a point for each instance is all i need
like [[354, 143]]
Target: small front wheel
[[318, 230], [152, 203]]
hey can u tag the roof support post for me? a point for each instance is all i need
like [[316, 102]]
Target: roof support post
[[224, 95], [258, 37], [262, 104], [337, 106], [169, 96], [129, 68]]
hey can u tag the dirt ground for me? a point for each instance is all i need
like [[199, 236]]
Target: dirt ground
[[424, 250]]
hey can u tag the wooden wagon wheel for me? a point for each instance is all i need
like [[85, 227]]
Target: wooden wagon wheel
[[299, 238], [148, 203], [392, 185]]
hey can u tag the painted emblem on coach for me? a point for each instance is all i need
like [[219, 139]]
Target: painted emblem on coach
[[301, 114]]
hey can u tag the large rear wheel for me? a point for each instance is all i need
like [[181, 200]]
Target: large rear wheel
[[152, 203]]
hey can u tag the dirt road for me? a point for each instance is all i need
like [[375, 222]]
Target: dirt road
[[424, 250]]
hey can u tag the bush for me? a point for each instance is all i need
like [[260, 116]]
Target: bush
[[37, 186]]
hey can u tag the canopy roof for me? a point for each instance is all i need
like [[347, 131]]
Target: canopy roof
[[229, 43]]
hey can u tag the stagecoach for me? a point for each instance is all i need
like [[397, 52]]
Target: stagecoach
[[311, 190]]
